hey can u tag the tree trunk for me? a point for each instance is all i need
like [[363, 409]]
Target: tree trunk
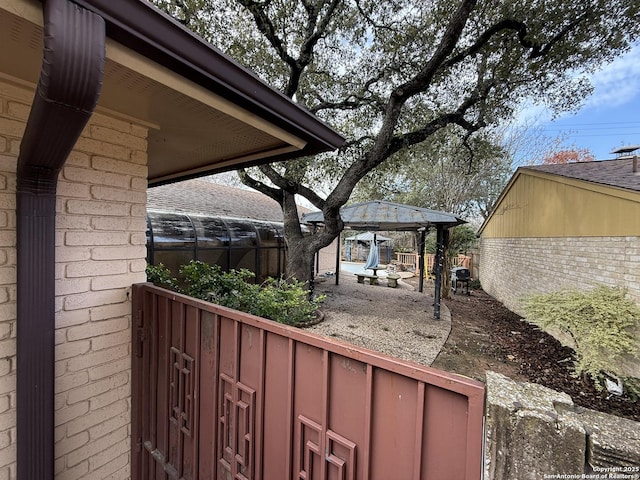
[[300, 261], [301, 249]]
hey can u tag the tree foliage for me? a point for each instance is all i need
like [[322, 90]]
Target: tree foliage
[[446, 173], [573, 155], [461, 239], [392, 74]]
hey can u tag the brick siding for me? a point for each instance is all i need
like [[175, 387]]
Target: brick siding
[[100, 252], [513, 267]]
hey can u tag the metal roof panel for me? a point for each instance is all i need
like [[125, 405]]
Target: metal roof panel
[[383, 215]]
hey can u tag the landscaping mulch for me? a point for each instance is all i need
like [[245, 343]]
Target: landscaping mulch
[[487, 336]]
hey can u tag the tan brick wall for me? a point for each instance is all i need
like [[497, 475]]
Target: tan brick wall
[[513, 267], [11, 127], [100, 252]]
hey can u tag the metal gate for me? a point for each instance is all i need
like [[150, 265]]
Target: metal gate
[[219, 394]]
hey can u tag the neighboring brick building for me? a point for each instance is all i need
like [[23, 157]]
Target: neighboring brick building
[[73, 182], [563, 226]]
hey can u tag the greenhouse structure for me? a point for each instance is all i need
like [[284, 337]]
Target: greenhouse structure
[[174, 239]]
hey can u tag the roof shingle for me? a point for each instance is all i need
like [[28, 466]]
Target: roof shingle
[[199, 196], [614, 173], [205, 198]]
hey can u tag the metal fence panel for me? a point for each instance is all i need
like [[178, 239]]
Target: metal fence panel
[[222, 394]]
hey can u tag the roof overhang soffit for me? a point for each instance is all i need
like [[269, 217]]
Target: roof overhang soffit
[[204, 112]]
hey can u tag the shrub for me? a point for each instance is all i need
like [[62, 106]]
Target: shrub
[[600, 321], [231, 289], [161, 276], [285, 302], [475, 284]]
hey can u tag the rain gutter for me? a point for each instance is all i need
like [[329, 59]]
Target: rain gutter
[[66, 95]]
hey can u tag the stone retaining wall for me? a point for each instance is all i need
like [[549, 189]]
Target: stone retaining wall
[[533, 433]]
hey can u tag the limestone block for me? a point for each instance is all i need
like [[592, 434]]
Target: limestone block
[[612, 441], [528, 433]]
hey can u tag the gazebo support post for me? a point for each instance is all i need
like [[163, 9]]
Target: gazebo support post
[[438, 268], [312, 280], [423, 234], [338, 248], [315, 259]]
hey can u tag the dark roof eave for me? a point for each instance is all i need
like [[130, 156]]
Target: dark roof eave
[[140, 26], [306, 151]]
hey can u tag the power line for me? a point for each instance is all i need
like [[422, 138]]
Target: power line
[[606, 123]]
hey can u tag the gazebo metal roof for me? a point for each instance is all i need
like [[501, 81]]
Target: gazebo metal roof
[[387, 216]]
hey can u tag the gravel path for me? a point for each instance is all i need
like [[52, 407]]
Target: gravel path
[[396, 321]]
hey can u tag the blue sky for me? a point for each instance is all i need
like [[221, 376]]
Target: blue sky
[[610, 116]]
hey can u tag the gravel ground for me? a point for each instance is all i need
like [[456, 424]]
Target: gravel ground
[[396, 321]]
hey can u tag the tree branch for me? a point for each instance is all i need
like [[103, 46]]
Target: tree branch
[[249, 181], [447, 44], [291, 186], [371, 21], [266, 27], [355, 100], [457, 118], [521, 29], [312, 196]]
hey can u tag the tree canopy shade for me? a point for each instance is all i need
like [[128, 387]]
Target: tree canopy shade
[[392, 74], [447, 173]]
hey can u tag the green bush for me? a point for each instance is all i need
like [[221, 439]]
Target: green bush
[[601, 323], [285, 302], [161, 276], [475, 284], [231, 289]]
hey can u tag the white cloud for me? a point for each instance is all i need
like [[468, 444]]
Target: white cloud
[[618, 82], [615, 84]]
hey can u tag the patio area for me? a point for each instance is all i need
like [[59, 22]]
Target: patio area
[[394, 321]]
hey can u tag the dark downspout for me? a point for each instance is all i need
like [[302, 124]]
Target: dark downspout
[[65, 97], [438, 269]]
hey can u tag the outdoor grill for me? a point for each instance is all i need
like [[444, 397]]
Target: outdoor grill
[[460, 276]]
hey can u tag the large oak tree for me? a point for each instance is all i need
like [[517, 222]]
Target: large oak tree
[[391, 74]]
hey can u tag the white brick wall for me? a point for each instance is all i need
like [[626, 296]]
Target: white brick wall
[[100, 252]]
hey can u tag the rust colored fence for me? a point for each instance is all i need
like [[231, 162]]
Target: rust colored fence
[[219, 394]]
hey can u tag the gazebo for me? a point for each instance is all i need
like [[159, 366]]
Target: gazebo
[[379, 215], [371, 238]]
